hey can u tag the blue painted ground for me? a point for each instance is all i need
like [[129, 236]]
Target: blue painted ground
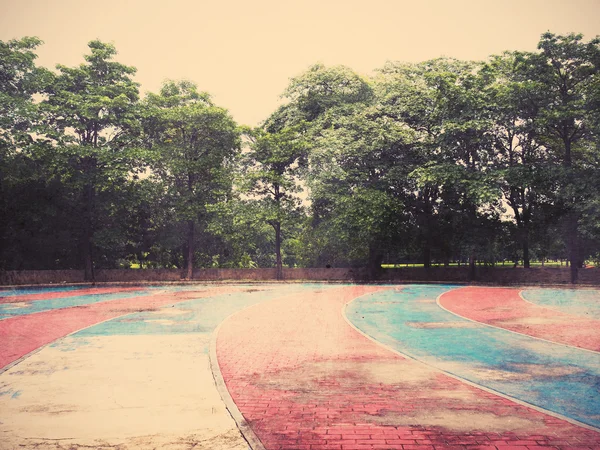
[[29, 307], [202, 315], [552, 376], [581, 302], [34, 290]]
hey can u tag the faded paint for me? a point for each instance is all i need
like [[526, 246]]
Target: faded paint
[[551, 376], [581, 302], [134, 382]]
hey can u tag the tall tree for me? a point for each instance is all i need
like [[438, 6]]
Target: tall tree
[[193, 145], [92, 118], [272, 166], [567, 68]]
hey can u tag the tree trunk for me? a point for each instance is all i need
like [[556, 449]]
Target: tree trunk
[[573, 246], [472, 272], [526, 262], [190, 251], [279, 263], [427, 255], [375, 260], [88, 234]]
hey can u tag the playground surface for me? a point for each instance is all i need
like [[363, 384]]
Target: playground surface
[[299, 366]]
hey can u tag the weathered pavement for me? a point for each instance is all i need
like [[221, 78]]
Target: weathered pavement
[[23, 334], [303, 378], [505, 308], [140, 380]]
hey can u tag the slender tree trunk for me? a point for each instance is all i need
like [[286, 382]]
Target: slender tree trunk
[[526, 262], [88, 234], [573, 245], [375, 260], [279, 263], [427, 255], [472, 271], [190, 251]]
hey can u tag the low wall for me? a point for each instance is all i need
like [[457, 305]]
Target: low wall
[[492, 275]]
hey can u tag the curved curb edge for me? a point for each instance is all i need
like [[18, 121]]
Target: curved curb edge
[[246, 431], [463, 380]]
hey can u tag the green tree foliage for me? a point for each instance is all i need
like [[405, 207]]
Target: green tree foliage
[[272, 165], [193, 145], [438, 161], [91, 119]]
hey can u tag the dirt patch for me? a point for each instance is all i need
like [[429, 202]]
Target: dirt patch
[[459, 421], [531, 321], [431, 325], [345, 374], [546, 371], [170, 312]]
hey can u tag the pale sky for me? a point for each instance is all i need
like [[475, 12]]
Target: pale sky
[[244, 52]]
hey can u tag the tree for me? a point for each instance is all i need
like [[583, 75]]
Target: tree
[[193, 144], [91, 118], [20, 172], [272, 164], [567, 69]]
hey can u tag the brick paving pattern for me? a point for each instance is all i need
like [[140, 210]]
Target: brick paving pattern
[[304, 379], [504, 308]]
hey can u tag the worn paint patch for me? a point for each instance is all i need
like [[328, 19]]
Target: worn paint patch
[[458, 421], [463, 324], [581, 302], [115, 388]]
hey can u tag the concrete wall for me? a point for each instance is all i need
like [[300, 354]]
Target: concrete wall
[[440, 274]]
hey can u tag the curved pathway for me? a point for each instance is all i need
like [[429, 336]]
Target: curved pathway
[[31, 330], [303, 378], [505, 308], [141, 380]]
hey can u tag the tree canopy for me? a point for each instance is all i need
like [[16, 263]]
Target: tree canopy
[[438, 162]]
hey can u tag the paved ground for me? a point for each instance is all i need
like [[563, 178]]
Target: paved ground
[[304, 364], [505, 308], [305, 379], [137, 378]]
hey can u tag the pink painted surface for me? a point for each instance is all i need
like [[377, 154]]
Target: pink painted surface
[[65, 294], [23, 334], [304, 379], [504, 308]]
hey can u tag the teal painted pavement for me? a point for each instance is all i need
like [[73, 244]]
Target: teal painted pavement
[[561, 379], [34, 306], [581, 302], [28, 291], [201, 315]]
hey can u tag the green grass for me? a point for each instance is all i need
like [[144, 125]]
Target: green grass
[[506, 264]]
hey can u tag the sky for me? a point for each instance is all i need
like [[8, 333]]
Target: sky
[[245, 52]]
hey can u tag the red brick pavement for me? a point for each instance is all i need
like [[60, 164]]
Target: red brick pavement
[[304, 379], [504, 308], [23, 334]]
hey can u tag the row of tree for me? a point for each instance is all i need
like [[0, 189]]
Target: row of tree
[[439, 161]]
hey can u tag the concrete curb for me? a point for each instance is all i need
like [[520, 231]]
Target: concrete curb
[[247, 433]]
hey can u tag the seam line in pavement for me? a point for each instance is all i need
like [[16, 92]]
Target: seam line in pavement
[[463, 380], [437, 300]]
